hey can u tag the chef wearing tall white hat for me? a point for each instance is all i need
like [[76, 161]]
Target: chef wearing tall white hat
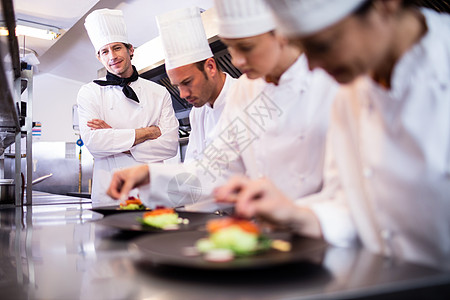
[[390, 129], [274, 123], [192, 68], [124, 120]]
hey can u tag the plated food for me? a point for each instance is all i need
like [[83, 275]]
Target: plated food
[[177, 249], [132, 203], [234, 237], [163, 218]]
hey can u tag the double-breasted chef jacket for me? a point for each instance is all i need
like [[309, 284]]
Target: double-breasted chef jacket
[[124, 115]]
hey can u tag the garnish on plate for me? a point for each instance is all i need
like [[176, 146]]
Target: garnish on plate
[[132, 203], [230, 237], [162, 218]]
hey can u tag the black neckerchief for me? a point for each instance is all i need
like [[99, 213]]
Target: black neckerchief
[[112, 79]]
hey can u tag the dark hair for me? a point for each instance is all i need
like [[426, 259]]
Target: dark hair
[[365, 7], [129, 46], [201, 66]]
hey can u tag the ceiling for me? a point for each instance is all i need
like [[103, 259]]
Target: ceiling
[[72, 54]]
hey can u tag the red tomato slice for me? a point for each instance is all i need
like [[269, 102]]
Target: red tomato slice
[[131, 200], [218, 224], [159, 211]]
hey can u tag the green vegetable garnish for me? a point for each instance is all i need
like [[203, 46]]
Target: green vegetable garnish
[[160, 221]]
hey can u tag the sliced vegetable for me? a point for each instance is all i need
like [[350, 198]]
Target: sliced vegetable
[[159, 211], [164, 218], [241, 237], [132, 203], [219, 224]]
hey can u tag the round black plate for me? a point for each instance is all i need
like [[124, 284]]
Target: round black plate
[[129, 221], [167, 250], [114, 209]]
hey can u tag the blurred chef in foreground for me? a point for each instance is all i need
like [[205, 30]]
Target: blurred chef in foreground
[[192, 68], [389, 135], [124, 120], [274, 123]]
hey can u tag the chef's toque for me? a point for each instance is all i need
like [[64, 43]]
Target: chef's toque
[[306, 17], [105, 26], [243, 18], [183, 37]]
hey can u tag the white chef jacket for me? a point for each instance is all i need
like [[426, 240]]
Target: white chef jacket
[[391, 149], [278, 131], [203, 122], [124, 115]]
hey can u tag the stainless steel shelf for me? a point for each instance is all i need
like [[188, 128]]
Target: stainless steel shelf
[[9, 119], [12, 126], [9, 70]]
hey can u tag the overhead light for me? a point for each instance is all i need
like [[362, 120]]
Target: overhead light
[[33, 29]]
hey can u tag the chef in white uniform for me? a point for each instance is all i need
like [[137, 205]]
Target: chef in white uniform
[[274, 123], [390, 131], [193, 70], [124, 120]]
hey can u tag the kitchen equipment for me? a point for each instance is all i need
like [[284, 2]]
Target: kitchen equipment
[[42, 178], [7, 188], [7, 191]]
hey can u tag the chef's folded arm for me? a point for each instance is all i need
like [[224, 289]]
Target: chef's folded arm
[[101, 142], [164, 146], [106, 142], [110, 141]]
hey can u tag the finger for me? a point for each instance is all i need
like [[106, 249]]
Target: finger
[[127, 186], [103, 124], [227, 192], [250, 197], [115, 187]]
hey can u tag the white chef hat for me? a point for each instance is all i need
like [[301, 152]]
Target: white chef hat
[[305, 17], [105, 26], [243, 18], [183, 37]]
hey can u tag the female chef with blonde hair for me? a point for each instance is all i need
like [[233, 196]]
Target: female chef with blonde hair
[[389, 134]]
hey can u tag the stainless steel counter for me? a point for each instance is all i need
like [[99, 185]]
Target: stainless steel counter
[[58, 251]]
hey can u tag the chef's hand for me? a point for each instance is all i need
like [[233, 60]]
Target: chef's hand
[[261, 198], [125, 180], [257, 197], [153, 132], [146, 133], [97, 124]]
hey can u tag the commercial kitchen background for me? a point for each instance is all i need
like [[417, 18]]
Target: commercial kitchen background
[[62, 66]]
